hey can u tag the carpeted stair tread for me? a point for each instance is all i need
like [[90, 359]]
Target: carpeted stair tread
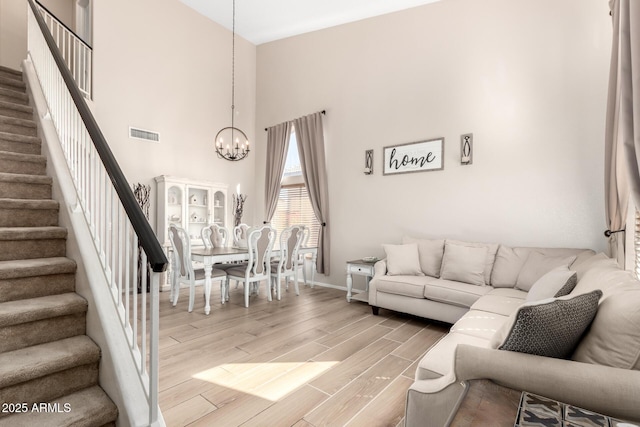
[[25, 179], [10, 73], [21, 204], [16, 109], [27, 123], [6, 136], [14, 94], [37, 361], [13, 83], [36, 267], [88, 408], [20, 157], [31, 233], [32, 309]]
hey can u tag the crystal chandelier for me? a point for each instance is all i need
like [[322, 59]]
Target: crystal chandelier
[[231, 143]]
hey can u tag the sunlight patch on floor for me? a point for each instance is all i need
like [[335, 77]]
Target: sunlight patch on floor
[[271, 381]]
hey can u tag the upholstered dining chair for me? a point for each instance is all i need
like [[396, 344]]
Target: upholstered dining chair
[[183, 271], [260, 242], [289, 260], [214, 236], [240, 234]]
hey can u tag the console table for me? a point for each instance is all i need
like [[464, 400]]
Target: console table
[[361, 268]]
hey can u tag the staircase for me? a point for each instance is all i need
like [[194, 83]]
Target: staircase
[[48, 366]]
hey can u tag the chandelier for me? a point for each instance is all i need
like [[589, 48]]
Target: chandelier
[[231, 143]]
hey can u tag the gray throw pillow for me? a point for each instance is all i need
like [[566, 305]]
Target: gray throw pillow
[[551, 328]]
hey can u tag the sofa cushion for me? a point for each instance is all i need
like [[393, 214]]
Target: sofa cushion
[[492, 248], [409, 286], [453, 292], [550, 328], [481, 324], [498, 304], [439, 358], [509, 292], [556, 283], [464, 263], [403, 260], [614, 336], [605, 275], [430, 254], [509, 262], [581, 265], [537, 265]]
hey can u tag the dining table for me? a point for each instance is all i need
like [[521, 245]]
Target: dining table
[[226, 254]]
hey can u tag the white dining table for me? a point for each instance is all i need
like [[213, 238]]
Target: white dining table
[[211, 256]]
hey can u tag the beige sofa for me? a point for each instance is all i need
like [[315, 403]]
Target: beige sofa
[[598, 370]]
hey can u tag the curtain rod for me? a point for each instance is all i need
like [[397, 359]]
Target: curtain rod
[[323, 112]]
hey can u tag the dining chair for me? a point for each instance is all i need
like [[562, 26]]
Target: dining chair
[[240, 235], [260, 242], [289, 260], [183, 271], [214, 236]]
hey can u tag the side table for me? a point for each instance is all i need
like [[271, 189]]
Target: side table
[[361, 268]]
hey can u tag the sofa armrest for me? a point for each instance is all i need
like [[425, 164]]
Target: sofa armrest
[[603, 389], [380, 268], [610, 391]]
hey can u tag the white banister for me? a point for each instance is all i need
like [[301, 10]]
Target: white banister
[[77, 54], [116, 243]]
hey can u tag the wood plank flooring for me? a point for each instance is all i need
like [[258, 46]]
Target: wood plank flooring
[[307, 361]]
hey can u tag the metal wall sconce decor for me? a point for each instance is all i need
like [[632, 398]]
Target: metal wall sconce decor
[[466, 149], [368, 162]]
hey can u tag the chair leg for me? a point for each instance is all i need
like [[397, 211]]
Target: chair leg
[[269, 297], [295, 282], [223, 290], [192, 295], [247, 285]]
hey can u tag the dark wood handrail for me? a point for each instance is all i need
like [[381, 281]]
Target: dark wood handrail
[[146, 236], [64, 25]]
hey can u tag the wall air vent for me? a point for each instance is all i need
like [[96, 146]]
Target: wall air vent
[[147, 135]]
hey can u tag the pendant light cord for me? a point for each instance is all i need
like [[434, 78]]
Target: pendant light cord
[[233, 68]]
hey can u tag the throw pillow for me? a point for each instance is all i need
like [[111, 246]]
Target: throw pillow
[[550, 328], [537, 265], [556, 283], [492, 248], [430, 253], [403, 260], [464, 263]]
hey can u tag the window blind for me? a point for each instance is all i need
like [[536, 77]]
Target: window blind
[[294, 207]]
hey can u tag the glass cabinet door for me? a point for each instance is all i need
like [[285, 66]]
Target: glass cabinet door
[[175, 207], [197, 211], [219, 208]]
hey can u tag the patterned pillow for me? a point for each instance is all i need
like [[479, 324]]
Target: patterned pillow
[[550, 328]]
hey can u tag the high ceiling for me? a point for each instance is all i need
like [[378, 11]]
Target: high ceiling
[[261, 21]]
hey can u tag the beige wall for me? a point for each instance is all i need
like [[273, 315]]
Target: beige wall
[[160, 66], [13, 33], [528, 78], [13, 27]]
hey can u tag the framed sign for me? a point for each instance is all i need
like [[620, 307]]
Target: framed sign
[[419, 156]]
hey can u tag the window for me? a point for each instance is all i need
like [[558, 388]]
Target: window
[[294, 206]]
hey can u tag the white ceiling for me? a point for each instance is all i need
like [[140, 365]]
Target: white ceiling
[[261, 21]]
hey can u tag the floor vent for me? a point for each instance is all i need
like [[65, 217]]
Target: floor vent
[[147, 135]]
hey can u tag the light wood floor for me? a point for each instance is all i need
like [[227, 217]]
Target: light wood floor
[[308, 360]]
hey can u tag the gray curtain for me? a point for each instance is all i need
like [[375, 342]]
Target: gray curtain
[[277, 146], [622, 138], [310, 138]]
